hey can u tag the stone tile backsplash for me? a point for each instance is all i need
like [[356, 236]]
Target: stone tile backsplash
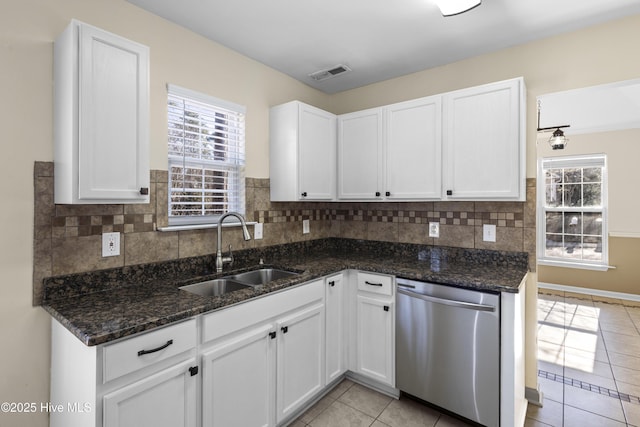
[[67, 238]]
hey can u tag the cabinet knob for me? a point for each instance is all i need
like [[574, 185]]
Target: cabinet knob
[[304, 194], [388, 193], [449, 192], [332, 283], [272, 335], [377, 194], [386, 308], [193, 370], [144, 191], [284, 329]]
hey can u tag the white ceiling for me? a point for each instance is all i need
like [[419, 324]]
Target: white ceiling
[[377, 39]]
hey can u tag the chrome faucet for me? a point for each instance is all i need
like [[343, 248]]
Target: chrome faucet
[[220, 259]]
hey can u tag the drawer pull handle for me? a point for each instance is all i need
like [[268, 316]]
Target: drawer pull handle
[[162, 347], [372, 283]]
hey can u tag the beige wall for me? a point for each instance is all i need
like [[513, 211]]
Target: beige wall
[[27, 29], [623, 151]]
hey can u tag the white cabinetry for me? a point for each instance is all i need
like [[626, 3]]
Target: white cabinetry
[[375, 328], [101, 117], [335, 330], [302, 144], [149, 380], [412, 154], [391, 153], [484, 142], [360, 155], [267, 354]]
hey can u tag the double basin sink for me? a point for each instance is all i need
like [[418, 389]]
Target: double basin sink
[[236, 282]]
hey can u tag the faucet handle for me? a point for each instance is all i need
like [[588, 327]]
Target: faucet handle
[[230, 256]]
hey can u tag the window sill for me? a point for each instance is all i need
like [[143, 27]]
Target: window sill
[[578, 265], [201, 226]]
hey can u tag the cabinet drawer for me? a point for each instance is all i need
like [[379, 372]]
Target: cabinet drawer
[[375, 283], [144, 350], [228, 320]]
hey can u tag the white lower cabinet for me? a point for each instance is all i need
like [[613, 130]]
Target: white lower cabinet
[[375, 339], [336, 327], [262, 373], [240, 371], [167, 398], [300, 360]]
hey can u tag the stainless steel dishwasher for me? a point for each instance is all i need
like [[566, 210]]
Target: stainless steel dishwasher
[[448, 348]]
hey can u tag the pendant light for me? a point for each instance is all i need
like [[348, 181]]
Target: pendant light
[[557, 141], [456, 7]]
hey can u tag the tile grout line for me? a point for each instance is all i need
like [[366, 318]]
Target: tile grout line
[[589, 387]]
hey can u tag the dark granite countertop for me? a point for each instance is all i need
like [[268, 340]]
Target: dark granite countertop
[[103, 306]]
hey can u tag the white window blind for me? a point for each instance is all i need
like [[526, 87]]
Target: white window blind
[[206, 153], [573, 214]]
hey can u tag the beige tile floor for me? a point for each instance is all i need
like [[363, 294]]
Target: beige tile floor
[[589, 372], [588, 361]]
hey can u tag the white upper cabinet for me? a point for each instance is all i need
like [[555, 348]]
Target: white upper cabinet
[[412, 153], [360, 155], [302, 144], [484, 142], [101, 117], [393, 152]]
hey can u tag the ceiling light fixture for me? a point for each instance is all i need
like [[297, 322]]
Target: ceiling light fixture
[[456, 7], [557, 141]]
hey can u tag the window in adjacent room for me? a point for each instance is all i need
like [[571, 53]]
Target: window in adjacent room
[[573, 211], [206, 157]]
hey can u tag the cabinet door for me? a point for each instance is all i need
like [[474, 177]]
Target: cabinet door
[[300, 359], [239, 380], [166, 399], [413, 149], [360, 155], [113, 151], [375, 350], [484, 142], [316, 154], [335, 328]]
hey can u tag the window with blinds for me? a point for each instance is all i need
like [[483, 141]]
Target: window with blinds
[[573, 214], [206, 157]]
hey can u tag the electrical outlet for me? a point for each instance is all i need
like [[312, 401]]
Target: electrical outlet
[[305, 226], [434, 229], [489, 232], [257, 231], [110, 244]]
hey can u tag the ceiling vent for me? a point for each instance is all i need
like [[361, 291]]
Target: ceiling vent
[[329, 73]]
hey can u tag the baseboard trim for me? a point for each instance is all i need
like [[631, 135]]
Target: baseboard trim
[[588, 291], [534, 396]]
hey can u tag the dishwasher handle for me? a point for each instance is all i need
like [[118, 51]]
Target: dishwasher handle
[[449, 302]]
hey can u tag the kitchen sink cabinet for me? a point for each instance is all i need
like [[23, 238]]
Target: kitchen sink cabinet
[[267, 355], [302, 147], [484, 142], [101, 117]]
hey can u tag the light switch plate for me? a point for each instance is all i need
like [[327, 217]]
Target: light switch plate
[[489, 232], [110, 244], [434, 229], [305, 226], [257, 231]]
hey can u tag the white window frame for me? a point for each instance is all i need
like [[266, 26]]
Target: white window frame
[[577, 161], [237, 187]]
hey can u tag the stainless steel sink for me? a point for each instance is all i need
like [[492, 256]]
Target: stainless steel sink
[[214, 288], [262, 276]]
